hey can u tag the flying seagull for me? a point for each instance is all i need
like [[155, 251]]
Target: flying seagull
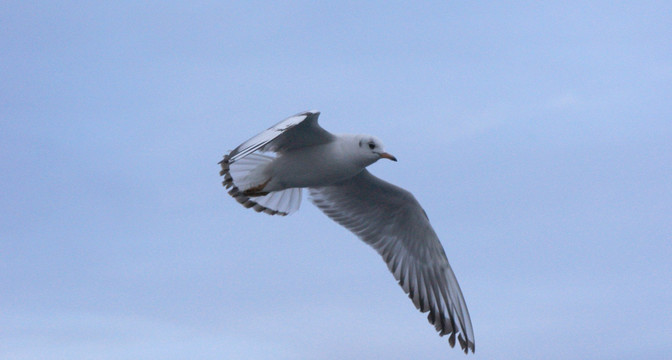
[[385, 216]]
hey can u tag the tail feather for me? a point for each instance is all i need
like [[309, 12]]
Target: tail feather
[[283, 202]]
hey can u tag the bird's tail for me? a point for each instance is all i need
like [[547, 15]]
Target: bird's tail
[[283, 202]]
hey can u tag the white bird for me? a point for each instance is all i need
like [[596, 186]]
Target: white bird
[[387, 217]]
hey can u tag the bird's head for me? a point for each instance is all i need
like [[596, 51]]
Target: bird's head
[[371, 149]]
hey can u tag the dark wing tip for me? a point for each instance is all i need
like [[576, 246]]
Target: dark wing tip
[[444, 327], [315, 113]]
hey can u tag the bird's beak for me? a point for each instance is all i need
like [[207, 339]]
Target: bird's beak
[[388, 156]]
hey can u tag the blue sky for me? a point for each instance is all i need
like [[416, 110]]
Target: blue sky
[[536, 136]]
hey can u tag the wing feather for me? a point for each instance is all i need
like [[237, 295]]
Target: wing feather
[[390, 220], [293, 132]]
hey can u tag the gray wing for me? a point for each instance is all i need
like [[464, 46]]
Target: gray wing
[[296, 131], [389, 219]]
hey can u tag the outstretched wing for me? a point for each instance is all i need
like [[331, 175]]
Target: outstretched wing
[[294, 132], [390, 220]]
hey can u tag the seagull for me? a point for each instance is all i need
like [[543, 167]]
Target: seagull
[[388, 218]]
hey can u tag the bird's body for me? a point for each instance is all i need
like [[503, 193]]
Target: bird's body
[[385, 216], [310, 166]]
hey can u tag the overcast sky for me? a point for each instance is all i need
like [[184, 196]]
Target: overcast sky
[[538, 138]]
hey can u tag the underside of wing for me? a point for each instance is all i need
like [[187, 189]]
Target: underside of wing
[[295, 131], [390, 220], [283, 202]]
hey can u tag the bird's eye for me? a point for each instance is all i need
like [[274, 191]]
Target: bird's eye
[[372, 146]]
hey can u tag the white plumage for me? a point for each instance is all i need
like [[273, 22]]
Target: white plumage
[[387, 217]]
